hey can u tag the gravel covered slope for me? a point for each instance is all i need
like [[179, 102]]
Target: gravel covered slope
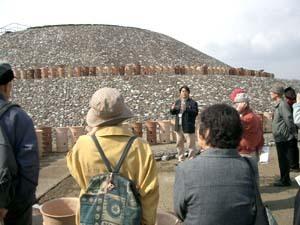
[[96, 45], [64, 101]]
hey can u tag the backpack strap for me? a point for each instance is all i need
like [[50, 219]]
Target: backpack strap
[[6, 106], [104, 158], [122, 158], [124, 154]]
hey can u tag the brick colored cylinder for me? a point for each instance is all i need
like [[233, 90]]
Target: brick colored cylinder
[[47, 138], [76, 131], [44, 72], [85, 71], [61, 139], [172, 129], [267, 122], [137, 128], [151, 132], [23, 74], [52, 72], [122, 70], [164, 131], [37, 74], [77, 71], [204, 69], [61, 71], [92, 71], [16, 73], [30, 73], [39, 136]]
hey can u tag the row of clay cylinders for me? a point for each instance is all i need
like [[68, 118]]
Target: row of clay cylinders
[[165, 131], [44, 137], [132, 69]]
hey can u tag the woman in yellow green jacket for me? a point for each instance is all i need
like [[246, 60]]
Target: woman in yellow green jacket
[[107, 111]]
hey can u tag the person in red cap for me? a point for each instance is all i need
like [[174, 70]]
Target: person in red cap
[[252, 139]]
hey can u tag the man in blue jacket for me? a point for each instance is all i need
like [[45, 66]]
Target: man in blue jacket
[[19, 129], [186, 110]]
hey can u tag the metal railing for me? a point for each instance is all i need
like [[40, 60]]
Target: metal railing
[[12, 27]]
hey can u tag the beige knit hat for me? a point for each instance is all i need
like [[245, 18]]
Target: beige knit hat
[[107, 108]]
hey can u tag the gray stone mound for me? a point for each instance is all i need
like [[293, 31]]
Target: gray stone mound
[[96, 45]]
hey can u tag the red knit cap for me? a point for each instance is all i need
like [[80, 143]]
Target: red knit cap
[[235, 92]]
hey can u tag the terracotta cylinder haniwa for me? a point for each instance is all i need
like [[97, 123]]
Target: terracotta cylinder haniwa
[[114, 70], [76, 131], [52, 72], [61, 71], [164, 131], [267, 122], [137, 69], [69, 71], [23, 74], [105, 70], [165, 218], [30, 73], [85, 71], [204, 69], [44, 72], [47, 138], [122, 70], [151, 132], [137, 128], [39, 136], [37, 74], [61, 139], [77, 71], [129, 70], [16, 73], [172, 129], [60, 211], [92, 71]]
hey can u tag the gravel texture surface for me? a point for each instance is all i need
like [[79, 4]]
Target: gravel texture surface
[[65, 101]]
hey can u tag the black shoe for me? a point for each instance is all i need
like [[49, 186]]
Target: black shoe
[[282, 183]]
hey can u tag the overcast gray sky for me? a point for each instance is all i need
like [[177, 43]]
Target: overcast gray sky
[[254, 34]]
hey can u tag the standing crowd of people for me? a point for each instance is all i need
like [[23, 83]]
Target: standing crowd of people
[[117, 172]]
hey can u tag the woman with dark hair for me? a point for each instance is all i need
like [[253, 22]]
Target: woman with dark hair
[[293, 151], [217, 187]]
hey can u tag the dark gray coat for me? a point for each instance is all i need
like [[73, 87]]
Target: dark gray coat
[[215, 188], [283, 127]]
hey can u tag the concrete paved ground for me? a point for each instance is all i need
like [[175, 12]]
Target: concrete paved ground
[[280, 200]]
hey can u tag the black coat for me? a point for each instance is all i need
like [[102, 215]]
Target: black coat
[[188, 116]]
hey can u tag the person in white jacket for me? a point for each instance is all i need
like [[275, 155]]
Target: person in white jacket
[[296, 116], [296, 111]]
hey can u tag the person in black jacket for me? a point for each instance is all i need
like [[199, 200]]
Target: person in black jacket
[[293, 153], [186, 111]]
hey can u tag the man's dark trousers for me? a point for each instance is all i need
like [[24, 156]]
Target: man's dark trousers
[[293, 154], [284, 166]]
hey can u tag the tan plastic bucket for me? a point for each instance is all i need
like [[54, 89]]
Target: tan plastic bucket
[[59, 211], [166, 218]]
